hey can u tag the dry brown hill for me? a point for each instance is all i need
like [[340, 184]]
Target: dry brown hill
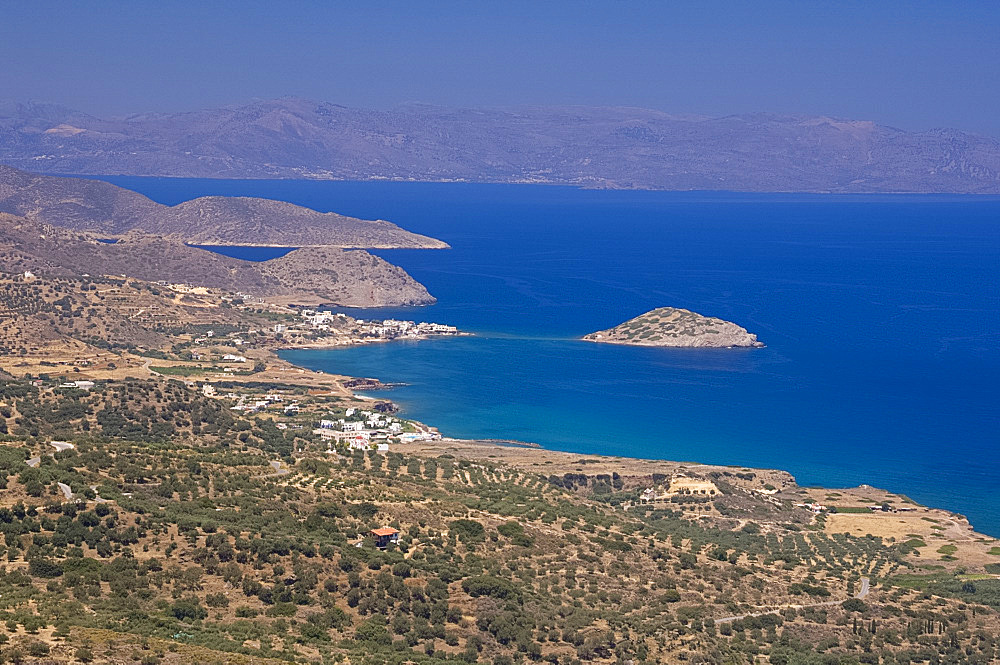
[[71, 315], [111, 211], [310, 275]]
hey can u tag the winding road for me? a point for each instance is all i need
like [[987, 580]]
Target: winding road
[[865, 589]]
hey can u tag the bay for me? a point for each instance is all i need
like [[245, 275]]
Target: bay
[[881, 316]]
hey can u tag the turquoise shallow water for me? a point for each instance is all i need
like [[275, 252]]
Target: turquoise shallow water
[[881, 315]]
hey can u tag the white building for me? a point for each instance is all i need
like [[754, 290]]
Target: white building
[[358, 443]]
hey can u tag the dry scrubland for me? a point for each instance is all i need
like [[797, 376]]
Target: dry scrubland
[[195, 533]]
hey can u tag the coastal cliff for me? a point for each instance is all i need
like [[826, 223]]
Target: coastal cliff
[[674, 327]]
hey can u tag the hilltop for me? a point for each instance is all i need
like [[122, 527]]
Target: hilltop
[[310, 275], [671, 326], [613, 147], [112, 211]]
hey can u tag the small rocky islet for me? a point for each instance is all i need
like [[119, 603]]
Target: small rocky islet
[[675, 327]]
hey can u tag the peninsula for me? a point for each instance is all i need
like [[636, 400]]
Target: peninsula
[[84, 205], [672, 326], [69, 227]]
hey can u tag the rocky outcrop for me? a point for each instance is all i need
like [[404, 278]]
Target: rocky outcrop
[[670, 326]]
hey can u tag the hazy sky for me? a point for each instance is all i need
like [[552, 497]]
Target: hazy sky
[[914, 65]]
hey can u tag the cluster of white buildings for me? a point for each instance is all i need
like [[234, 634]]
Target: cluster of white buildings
[[253, 404], [322, 320], [387, 329], [371, 430], [393, 329]]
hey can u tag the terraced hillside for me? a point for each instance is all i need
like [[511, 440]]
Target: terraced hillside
[[56, 315], [194, 534]]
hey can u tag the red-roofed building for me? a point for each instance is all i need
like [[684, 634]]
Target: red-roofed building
[[385, 535]]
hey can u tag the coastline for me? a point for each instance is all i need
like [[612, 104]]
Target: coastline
[[365, 342], [494, 449], [275, 369], [487, 449]]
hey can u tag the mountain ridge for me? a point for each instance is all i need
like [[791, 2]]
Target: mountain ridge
[[611, 147], [101, 207], [306, 276]]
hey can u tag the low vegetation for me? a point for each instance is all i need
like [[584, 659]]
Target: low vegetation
[[182, 543]]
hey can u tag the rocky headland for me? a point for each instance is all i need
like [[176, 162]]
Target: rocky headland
[[674, 327], [99, 207], [68, 227], [306, 276]]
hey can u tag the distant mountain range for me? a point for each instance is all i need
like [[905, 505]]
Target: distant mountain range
[[611, 147]]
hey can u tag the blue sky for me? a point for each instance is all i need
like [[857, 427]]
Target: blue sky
[[915, 65]]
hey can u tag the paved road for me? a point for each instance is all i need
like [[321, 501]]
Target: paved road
[[278, 471], [865, 589], [98, 498], [34, 461], [67, 492]]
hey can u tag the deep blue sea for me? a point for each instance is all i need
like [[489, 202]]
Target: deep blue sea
[[881, 316]]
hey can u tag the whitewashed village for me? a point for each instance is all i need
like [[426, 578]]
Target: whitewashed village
[[362, 331], [236, 365]]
